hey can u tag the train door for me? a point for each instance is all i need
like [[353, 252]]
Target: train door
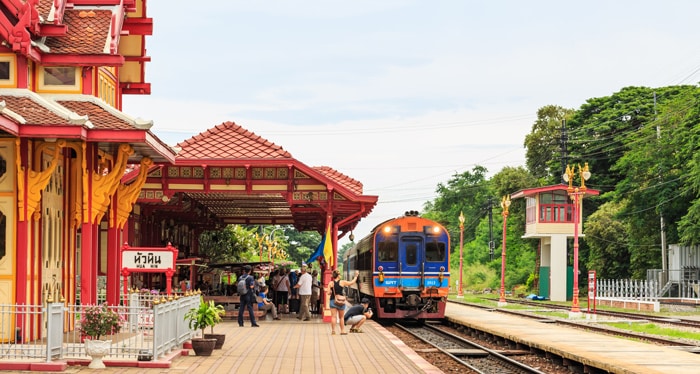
[[411, 259]]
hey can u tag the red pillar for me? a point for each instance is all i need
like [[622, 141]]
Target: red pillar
[[113, 265], [88, 278]]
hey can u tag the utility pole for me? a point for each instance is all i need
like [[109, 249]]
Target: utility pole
[[664, 265], [491, 243], [564, 155]]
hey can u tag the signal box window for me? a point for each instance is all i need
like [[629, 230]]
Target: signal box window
[[435, 252], [388, 251]]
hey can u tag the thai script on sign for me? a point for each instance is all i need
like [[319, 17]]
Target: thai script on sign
[[147, 259]]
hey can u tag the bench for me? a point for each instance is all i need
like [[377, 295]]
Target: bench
[[232, 304]]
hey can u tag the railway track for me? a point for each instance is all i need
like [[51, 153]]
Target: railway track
[[680, 322], [471, 355], [687, 346]]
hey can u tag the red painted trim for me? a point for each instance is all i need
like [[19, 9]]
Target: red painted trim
[[81, 60], [52, 30], [138, 26], [88, 74], [22, 72], [558, 187], [47, 131], [9, 126]]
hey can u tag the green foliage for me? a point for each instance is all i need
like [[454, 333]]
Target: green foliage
[[544, 141], [233, 243], [478, 277], [206, 315], [606, 237]]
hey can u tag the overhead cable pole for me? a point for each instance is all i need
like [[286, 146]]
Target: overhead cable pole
[[491, 243]]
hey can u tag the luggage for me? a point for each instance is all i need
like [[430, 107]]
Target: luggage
[[294, 305]]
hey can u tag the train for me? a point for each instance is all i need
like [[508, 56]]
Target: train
[[404, 267]]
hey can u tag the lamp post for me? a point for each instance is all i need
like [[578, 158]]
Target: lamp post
[[505, 203], [460, 293], [576, 194]]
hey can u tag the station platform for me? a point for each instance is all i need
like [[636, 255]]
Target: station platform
[[614, 355], [292, 346]]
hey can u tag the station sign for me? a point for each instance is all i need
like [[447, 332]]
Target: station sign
[[140, 260]]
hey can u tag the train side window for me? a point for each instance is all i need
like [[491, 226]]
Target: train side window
[[411, 254], [435, 252]]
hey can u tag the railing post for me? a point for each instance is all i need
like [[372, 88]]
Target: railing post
[[54, 330]]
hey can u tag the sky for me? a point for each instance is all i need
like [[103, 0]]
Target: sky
[[402, 95]]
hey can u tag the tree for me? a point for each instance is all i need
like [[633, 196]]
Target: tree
[[233, 243], [606, 237], [468, 193], [544, 142]]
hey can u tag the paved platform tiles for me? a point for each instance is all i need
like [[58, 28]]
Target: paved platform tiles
[[615, 355], [293, 346]]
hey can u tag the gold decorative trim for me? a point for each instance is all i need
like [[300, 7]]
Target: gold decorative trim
[[38, 180], [104, 186], [128, 194]]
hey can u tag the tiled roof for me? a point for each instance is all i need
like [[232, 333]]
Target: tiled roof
[[230, 141], [340, 178], [87, 32], [32, 112], [30, 108], [98, 116]]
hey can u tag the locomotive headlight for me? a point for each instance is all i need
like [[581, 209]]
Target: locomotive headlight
[[381, 274], [441, 276], [431, 230]]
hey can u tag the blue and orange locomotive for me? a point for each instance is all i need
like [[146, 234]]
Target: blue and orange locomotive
[[404, 268]]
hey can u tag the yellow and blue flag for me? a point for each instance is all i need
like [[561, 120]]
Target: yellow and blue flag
[[325, 249], [328, 248]]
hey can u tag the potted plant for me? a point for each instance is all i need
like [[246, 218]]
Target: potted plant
[[206, 315], [96, 322]]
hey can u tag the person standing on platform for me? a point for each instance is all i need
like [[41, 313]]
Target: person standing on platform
[[335, 287], [248, 298], [304, 287], [314, 303], [282, 291], [357, 315]]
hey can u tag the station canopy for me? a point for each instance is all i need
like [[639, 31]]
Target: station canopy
[[229, 175]]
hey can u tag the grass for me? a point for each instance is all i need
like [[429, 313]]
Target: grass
[[653, 329]]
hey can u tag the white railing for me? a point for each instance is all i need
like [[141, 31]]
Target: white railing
[[627, 289], [152, 327]]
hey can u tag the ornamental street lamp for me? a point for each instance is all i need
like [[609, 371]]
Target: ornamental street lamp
[[268, 242], [576, 194], [460, 293], [505, 203]]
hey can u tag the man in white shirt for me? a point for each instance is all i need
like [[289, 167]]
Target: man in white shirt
[[304, 286]]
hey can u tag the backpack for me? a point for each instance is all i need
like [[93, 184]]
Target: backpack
[[242, 288]]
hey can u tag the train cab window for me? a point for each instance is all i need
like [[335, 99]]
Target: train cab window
[[388, 251], [435, 252], [411, 254]]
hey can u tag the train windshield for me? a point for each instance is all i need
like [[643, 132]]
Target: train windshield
[[435, 252], [388, 251]]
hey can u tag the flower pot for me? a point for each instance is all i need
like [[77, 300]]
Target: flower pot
[[220, 339], [97, 349], [203, 347]]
